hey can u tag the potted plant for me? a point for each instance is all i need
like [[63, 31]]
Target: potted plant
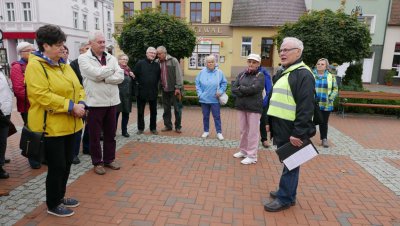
[[389, 77]]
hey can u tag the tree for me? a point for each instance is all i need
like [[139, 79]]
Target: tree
[[333, 35], [150, 27]]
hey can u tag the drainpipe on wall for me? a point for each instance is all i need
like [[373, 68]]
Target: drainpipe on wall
[[384, 37]]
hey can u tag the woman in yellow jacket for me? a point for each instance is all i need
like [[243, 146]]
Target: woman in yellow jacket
[[56, 96]]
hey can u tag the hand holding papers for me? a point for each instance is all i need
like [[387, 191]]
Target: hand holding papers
[[293, 156]]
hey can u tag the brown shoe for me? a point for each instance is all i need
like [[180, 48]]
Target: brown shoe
[[265, 144], [113, 165], [99, 169]]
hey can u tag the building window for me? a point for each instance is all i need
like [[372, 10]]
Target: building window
[[108, 16], [128, 10], [172, 8], [369, 20], [109, 35], [396, 58], [198, 58], [145, 5], [75, 19], [246, 46], [215, 12], [10, 11], [195, 12], [96, 23], [96, 4], [26, 9], [84, 22]]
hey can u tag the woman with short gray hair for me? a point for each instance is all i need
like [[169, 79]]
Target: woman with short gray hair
[[210, 85]]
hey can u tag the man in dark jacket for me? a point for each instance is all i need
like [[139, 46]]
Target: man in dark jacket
[[290, 113], [147, 73], [171, 84]]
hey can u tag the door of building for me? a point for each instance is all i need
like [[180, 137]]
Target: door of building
[[368, 65], [266, 52]]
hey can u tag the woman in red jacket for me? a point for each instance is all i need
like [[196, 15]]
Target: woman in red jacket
[[18, 83]]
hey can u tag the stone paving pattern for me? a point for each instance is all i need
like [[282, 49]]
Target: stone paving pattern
[[181, 179]]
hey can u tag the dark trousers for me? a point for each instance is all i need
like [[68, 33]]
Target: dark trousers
[[58, 154], [77, 143], [263, 123], [141, 103], [323, 127], [215, 110], [85, 138], [168, 99], [288, 184], [124, 121], [102, 118], [3, 142]]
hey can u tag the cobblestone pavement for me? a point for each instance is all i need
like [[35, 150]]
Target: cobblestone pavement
[[174, 179]]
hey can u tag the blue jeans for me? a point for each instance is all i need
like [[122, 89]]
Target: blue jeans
[[215, 110], [288, 186]]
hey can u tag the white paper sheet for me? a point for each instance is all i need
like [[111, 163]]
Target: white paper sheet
[[300, 157]]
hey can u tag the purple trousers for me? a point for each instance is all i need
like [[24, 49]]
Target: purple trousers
[[102, 119]]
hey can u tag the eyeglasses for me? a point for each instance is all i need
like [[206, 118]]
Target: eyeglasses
[[28, 51], [320, 64], [286, 50]]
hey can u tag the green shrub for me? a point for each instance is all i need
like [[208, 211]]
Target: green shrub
[[353, 76]]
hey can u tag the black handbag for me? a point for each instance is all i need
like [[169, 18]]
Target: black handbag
[[32, 144]]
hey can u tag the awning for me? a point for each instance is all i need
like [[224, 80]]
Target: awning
[[19, 35]]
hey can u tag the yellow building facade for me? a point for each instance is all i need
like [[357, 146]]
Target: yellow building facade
[[211, 22]]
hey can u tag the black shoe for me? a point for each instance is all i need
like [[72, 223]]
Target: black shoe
[[7, 160], [86, 152], [139, 132], [272, 194], [102, 137], [154, 132], [125, 134], [36, 166], [165, 129], [178, 130], [275, 206], [3, 173], [76, 160]]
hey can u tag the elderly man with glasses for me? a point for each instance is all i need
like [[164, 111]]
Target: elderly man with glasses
[[290, 112]]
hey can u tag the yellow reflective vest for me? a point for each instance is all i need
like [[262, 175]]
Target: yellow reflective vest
[[282, 104]]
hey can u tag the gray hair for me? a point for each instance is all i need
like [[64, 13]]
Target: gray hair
[[210, 58], [296, 41], [162, 49], [122, 55], [151, 48], [326, 62], [94, 34]]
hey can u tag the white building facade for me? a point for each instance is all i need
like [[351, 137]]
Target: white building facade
[[19, 19]]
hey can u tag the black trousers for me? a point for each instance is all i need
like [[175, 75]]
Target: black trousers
[[263, 123], [168, 99], [58, 153], [141, 103], [3, 142], [323, 127]]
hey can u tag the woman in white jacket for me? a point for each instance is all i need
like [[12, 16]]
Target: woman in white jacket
[[6, 109]]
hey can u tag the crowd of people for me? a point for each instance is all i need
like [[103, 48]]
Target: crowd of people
[[80, 101]]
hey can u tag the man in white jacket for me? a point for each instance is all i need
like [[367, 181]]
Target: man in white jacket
[[6, 103], [101, 75]]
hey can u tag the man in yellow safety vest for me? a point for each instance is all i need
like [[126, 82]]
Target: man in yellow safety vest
[[290, 113]]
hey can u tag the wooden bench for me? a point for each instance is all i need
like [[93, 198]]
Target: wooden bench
[[188, 87], [343, 101]]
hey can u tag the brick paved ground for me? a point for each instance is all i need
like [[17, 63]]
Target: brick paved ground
[[174, 179]]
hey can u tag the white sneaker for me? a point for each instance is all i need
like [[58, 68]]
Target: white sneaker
[[239, 155], [205, 135], [219, 136], [248, 160]]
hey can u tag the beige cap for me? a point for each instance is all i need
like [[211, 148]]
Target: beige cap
[[23, 45], [254, 56]]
